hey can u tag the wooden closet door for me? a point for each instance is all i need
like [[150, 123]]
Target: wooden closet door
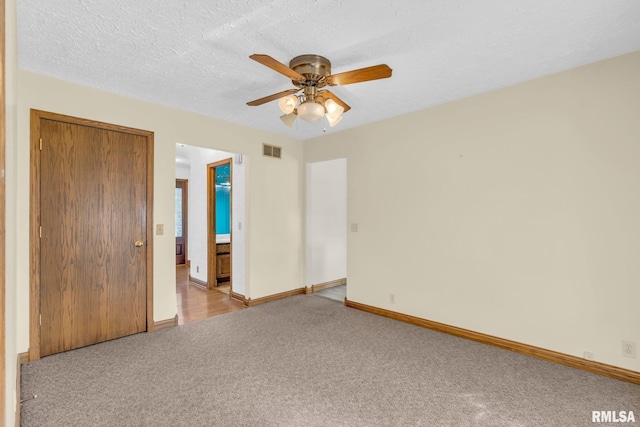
[[93, 236]]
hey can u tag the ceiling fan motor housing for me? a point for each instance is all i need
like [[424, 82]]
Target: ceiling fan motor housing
[[315, 68]]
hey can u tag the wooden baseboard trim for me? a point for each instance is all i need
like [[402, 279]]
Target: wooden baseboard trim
[[167, 323], [22, 358], [251, 302], [198, 282], [529, 350], [33, 354], [326, 285], [238, 297]]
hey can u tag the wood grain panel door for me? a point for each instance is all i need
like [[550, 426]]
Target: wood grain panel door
[[93, 189]]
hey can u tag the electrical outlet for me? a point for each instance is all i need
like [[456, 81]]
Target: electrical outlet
[[392, 298], [629, 349], [197, 269], [588, 355]]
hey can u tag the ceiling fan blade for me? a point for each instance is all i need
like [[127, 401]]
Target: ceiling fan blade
[[330, 95], [376, 72], [268, 61], [272, 97]]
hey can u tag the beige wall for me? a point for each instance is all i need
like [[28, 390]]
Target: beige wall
[[11, 352], [514, 213], [274, 202]]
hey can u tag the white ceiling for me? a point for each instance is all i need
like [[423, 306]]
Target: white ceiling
[[194, 55]]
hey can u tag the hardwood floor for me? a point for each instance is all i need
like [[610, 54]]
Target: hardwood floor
[[196, 303]]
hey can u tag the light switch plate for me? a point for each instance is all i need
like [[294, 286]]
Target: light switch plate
[[159, 229]]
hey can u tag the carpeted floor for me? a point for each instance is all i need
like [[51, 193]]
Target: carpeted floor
[[310, 361]]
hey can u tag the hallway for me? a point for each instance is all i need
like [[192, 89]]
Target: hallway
[[195, 303]]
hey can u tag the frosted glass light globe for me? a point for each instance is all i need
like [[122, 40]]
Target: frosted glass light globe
[[333, 108], [334, 120], [288, 103], [310, 111]]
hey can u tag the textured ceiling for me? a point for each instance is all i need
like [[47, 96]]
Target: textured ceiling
[[194, 55]]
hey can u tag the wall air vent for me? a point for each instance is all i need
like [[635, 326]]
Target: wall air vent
[[272, 151]]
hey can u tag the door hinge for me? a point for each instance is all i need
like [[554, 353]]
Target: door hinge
[[41, 319], [40, 144], [41, 232]]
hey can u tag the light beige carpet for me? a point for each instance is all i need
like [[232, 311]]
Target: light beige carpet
[[310, 361]]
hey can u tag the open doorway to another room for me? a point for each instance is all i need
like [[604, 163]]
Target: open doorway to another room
[[327, 228], [182, 208], [219, 213], [206, 267]]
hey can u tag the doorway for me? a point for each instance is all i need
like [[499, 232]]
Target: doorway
[[219, 214], [91, 232], [326, 228], [197, 294], [182, 214]]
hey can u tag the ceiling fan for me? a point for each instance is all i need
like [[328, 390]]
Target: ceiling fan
[[310, 74]]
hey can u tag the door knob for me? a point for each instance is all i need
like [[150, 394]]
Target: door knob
[[138, 243]]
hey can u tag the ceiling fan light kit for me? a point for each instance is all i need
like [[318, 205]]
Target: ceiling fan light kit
[[288, 119], [310, 111], [334, 112], [288, 103], [310, 74], [334, 120]]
